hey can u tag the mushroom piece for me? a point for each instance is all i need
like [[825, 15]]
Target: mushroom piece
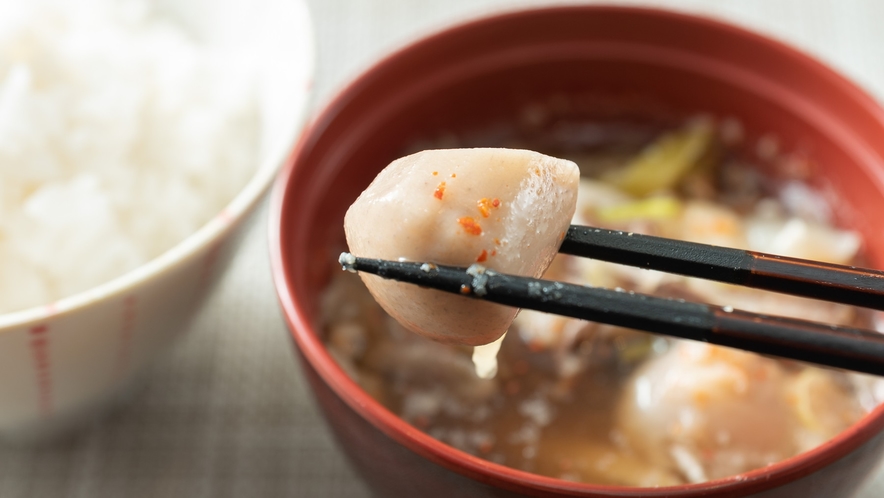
[[507, 210]]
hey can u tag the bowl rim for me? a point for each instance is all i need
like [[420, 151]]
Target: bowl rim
[[457, 461], [212, 231]]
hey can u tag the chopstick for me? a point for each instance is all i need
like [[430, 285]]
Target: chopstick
[[828, 282], [829, 345]]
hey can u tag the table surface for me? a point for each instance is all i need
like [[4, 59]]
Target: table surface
[[227, 412]]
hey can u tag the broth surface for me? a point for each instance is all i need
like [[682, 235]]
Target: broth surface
[[595, 403]]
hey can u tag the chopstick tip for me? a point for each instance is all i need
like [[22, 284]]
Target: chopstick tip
[[348, 262]]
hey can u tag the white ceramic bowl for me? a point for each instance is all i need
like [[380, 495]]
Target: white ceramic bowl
[[62, 362]]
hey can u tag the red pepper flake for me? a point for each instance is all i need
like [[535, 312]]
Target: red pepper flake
[[470, 225], [482, 257], [494, 252], [440, 191], [485, 206], [464, 289]]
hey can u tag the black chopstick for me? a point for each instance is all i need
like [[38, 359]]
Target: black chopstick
[[835, 283], [840, 347]]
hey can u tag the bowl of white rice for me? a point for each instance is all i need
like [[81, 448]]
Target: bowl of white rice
[[135, 138]]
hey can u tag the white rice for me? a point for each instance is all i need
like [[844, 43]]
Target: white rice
[[119, 136]]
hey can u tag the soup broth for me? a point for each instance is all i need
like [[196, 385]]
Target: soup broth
[[595, 403]]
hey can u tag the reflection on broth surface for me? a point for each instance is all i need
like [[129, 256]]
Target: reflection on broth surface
[[588, 402]]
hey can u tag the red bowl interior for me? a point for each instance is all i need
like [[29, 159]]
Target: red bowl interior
[[603, 63]]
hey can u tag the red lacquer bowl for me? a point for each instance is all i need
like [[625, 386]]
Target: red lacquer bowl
[[611, 61]]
